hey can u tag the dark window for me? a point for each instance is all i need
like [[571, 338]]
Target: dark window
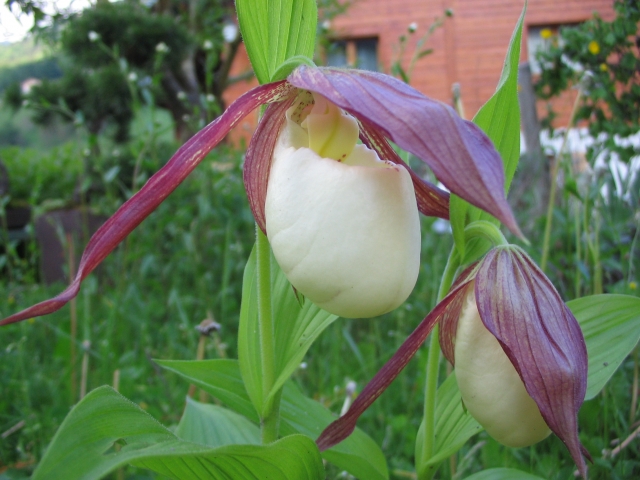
[[359, 53]]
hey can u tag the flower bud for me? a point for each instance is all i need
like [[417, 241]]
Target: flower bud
[[343, 224], [491, 388]]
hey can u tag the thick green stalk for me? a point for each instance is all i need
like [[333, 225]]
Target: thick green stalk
[[271, 412]]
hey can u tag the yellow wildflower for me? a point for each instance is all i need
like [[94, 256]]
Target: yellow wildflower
[[546, 33], [604, 67], [594, 47]]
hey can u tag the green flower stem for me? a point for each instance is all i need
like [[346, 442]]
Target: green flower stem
[[554, 182], [577, 281], [431, 381], [271, 412], [431, 388]]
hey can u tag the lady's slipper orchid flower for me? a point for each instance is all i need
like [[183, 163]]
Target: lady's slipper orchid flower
[[518, 351], [459, 153], [343, 224]]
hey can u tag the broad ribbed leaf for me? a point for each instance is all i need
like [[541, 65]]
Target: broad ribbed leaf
[[296, 328], [221, 378], [499, 118], [503, 474], [253, 17], [249, 349], [521, 308], [611, 328], [458, 152], [152, 194], [454, 425], [105, 431], [276, 30], [358, 455], [215, 426]]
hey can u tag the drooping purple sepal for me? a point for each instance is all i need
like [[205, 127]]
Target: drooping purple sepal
[[522, 309], [459, 153], [344, 426], [159, 186]]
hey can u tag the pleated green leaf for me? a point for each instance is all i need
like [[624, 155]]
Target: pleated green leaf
[[297, 324], [611, 328], [499, 118], [276, 30], [215, 426], [454, 425], [359, 455], [503, 474], [106, 431]]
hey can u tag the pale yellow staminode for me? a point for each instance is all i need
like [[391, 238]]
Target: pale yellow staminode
[[491, 389], [343, 224]]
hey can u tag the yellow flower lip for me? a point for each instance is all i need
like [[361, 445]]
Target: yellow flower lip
[[332, 133]]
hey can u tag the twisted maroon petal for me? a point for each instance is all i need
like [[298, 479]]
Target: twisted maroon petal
[[522, 309], [259, 156], [432, 201], [459, 153], [344, 426], [159, 186]]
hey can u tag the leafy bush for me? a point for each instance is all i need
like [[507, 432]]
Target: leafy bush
[[36, 176]]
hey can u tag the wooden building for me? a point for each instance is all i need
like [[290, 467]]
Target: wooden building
[[468, 49]]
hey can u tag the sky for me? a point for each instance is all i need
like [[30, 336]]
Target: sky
[[14, 29]]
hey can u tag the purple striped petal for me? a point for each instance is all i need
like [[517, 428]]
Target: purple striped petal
[[459, 153], [159, 186], [344, 426], [432, 201], [522, 309], [259, 156]]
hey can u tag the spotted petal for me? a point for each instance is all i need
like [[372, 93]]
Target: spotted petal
[[521, 308], [159, 186], [459, 153]]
